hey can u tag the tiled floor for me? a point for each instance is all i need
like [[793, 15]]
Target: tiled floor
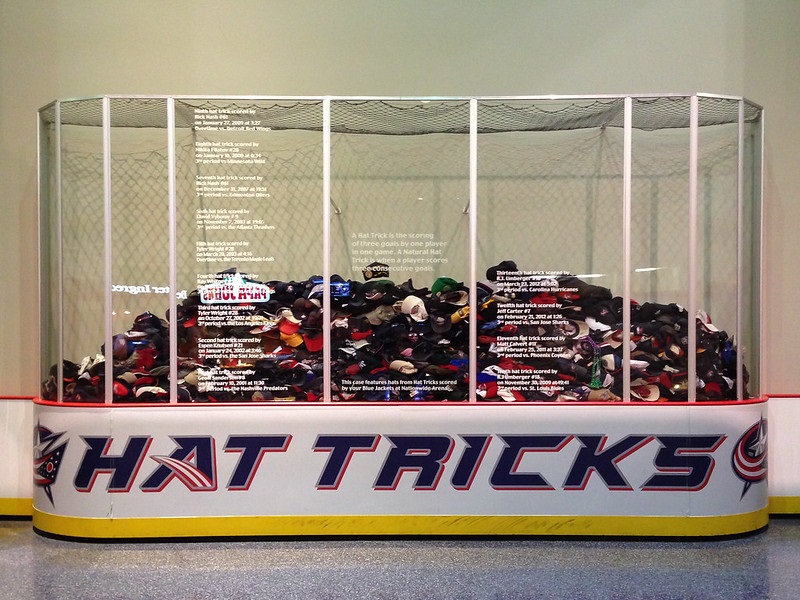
[[766, 565]]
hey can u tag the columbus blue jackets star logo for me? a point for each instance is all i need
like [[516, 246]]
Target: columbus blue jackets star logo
[[749, 457], [47, 456]]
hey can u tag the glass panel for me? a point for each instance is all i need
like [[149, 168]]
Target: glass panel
[[400, 250], [82, 259], [748, 344], [139, 250], [660, 250], [549, 249], [249, 221], [49, 251], [717, 257]]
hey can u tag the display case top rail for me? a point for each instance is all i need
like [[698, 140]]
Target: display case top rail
[[387, 115]]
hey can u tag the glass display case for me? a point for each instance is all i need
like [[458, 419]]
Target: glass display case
[[460, 250], [271, 316]]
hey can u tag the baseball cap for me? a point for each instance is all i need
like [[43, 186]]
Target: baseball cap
[[375, 270], [506, 265], [444, 284], [414, 307]]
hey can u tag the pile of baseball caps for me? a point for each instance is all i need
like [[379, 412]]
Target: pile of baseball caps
[[397, 342]]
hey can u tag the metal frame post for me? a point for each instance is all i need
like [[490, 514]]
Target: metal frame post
[[108, 249], [173, 254], [326, 248], [626, 248]]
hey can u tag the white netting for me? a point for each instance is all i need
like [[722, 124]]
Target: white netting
[[413, 117], [549, 198]]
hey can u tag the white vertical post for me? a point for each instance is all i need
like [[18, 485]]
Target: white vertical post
[[761, 299], [173, 254], [60, 262], [107, 253], [691, 376], [326, 247], [740, 254], [626, 248], [473, 244]]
